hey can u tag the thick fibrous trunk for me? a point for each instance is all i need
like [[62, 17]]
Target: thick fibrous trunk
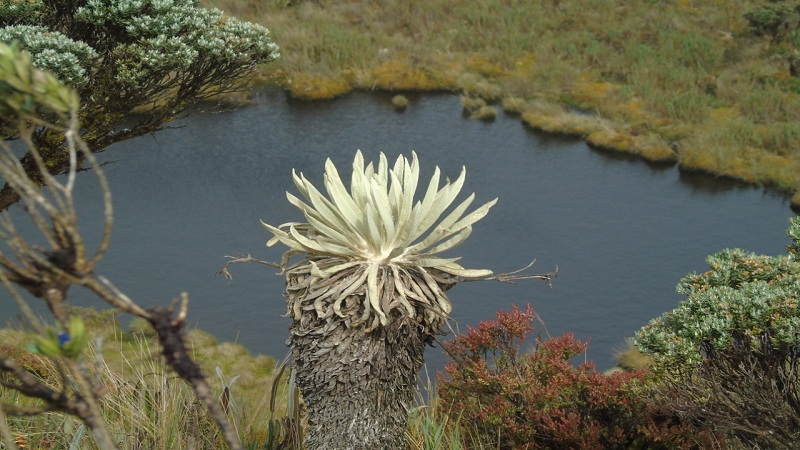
[[358, 373], [357, 386]]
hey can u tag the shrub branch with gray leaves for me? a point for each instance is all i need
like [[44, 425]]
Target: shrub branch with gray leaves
[[158, 58]]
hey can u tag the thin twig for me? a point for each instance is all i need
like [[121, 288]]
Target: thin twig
[[104, 289], [33, 319], [5, 432], [516, 275], [243, 258], [172, 335]]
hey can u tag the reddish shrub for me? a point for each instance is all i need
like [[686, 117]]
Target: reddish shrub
[[540, 399]]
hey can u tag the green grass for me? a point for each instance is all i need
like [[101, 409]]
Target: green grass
[[147, 406], [434, 426], [144, 404], [659, 69]]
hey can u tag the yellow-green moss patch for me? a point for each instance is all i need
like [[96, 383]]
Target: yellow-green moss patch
[[650, 146], [314, 87]]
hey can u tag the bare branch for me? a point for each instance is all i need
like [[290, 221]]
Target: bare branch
[[30, 316], [172, 336], [21, 411], [47, 272], [5, 432], [30, 385], [517, 275], [243, 258], [104, 289]]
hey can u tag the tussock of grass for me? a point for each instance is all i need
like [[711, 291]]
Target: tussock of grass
[[553, 118], [400, 102], [471, 104], [14, 344], [631, 358], [474, 85], [486, 113], [434, 426], [431, 429], [513, 105], [651, 147]]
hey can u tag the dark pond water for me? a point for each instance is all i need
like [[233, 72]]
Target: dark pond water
[[621, 232]]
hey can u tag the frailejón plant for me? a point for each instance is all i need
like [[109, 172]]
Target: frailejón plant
[[377, 236], [369, 294]]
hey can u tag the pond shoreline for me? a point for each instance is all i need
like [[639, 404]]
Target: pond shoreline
[[623, 152], [690, 82]]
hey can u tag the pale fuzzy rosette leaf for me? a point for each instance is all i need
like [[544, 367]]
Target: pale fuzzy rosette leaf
[[376, 243]]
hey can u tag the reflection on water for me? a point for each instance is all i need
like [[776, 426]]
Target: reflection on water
[[620, 231]]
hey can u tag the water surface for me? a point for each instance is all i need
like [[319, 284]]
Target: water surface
[[621, 232]]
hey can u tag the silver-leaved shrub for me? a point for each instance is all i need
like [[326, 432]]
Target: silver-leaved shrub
[[743, 299], [205, 33], [69, 60], [157, 58], [136, 50]]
